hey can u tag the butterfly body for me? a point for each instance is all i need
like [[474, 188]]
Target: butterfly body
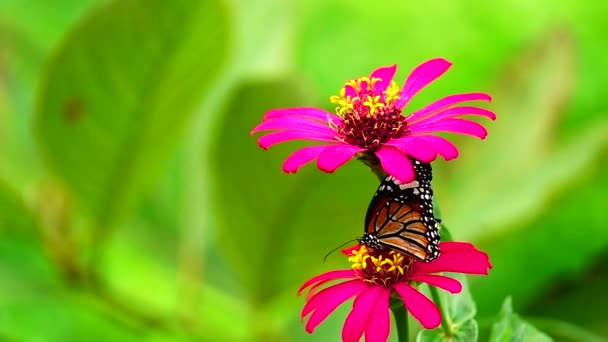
[[400, 216]]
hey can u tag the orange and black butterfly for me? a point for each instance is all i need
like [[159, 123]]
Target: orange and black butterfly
[[400, 216]]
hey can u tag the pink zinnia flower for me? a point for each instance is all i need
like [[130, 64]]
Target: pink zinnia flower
[[370, 119], [374, 275]]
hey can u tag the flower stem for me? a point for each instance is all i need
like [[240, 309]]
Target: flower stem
[[373, 162], [400, 314], [445, 323]]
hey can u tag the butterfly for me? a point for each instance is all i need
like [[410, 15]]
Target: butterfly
[[400, 216]]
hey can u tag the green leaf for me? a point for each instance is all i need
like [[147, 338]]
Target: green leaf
[[461, 306], [567, 317], [461, 310], [524, 167], [271, 223], [58, 316], [14, 216], [130, 249], [115, 97], [510, 327], [510, 254], [263, 49], [446, 234], [468, 331], [566, 331], [35, 304], [43, 26], [29, 30], [521, 161]]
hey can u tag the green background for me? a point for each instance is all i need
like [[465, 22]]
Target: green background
[[134, 202]]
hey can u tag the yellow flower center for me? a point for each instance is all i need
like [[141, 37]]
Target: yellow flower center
[[362, 99], [381, 267], [368, 115]]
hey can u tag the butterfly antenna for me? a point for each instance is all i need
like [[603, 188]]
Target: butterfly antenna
[[335, 249]]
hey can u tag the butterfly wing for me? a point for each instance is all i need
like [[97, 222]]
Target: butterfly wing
[[401, 216]]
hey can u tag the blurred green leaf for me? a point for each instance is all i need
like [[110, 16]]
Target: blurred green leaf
[[131, 249], [461, 306], [461, 310], [468, 331], [566, 331], [526, 170], [271, 223], [558, 310], [14, 216], [521, 161], [42, 22], [35, 303], [435, 335], [116, 96], [29, 30], [263, 49], [58, 317], [511, 254], [510, 327]]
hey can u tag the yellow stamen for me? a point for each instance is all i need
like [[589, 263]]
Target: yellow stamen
[[379, 266], [372, 99], [373, 103], [392, 92]]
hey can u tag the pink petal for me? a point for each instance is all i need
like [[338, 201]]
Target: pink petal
[[460, 257], [379, 322], [336, 155], [268, 140], [385, 74], [455, 112], [351, 250], [326, 301], [356, 321], [449, 284], [349, 91], [453, 126], [424, 74], [457, 246], [336, 290], [318, 287], [447, 102], [333, 275], [297, 123], [314, 113], [300, 157], [396, 164], [422, 308], [445, 148], [415, 147]]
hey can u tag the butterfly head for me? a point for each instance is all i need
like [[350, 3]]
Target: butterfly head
[[370, 240]]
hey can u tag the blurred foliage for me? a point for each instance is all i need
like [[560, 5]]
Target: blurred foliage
[[510, 327], [460, 318], [134, 203]]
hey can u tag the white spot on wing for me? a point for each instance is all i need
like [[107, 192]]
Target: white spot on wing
[[413, 184]]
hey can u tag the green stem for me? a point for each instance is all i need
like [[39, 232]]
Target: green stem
[[400, 314], [445, 323], [373, 162]]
